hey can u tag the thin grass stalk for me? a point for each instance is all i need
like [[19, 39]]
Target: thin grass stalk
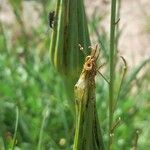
[[131, 77], [112, 69], [2, 146], [16, 127], [121, 82], [46, 113], [117, 25], [118, 30]]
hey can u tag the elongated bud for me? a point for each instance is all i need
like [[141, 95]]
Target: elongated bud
[[69, 30]]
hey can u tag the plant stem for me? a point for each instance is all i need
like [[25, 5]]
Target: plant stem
[[16, 127], [111, 85], [117, 25], [46, 114]]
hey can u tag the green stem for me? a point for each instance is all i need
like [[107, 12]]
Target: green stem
[[118, 31], [45, 116], [117, 25], [16, 127], [111, 85]]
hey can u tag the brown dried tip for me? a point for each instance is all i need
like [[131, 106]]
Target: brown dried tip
[[90, 61]]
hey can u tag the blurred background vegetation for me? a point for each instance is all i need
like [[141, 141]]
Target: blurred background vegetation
[[34, 110]]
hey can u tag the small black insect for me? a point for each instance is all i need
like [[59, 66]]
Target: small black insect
[[51, 17]]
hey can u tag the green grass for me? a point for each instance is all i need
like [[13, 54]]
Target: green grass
[[30, 84]]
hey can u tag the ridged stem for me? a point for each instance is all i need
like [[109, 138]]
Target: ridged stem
[[112, 69]]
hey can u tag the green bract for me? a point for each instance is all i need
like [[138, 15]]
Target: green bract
[[70, 29], [88, 134]]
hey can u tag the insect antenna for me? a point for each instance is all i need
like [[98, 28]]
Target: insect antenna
[[93, 51], [101, 73]]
